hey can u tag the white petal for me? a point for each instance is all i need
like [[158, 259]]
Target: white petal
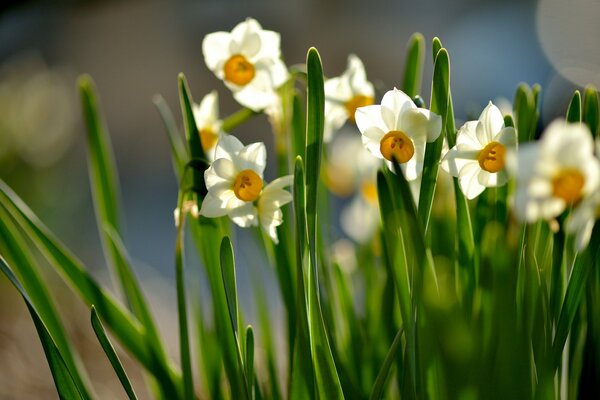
[[227, 147], [279, 183], [507, 136], [466, 137], [420, 122], [397, 102], [244, 216], [368, 117], [254, 157], [337, 90], [468, 181], [259, 93], [212, 207], [220, 171], [269, 45], [245, 38], [215, 49], [455, 160], [335, 117], [359, 220], [492, 122]]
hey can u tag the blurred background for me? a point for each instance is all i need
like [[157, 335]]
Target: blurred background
[[135, 49]]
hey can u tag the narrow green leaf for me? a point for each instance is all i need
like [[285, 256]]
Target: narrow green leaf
[[63, 377], [229, 284], [228, 274], [590, 109], [14, 248], [184, 340], [413, 69], [328, 384], [314, 138], [249, 358], [197, 153], [440, 92], [125, 327], [574, 111], [379, 386], [179, 152], [110, 352], [302, 374], [298, 127], [524, 113], [436, 46]]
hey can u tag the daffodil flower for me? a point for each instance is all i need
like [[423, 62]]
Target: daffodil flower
[[344, 94], [478, 159], [236, 187], [206, 115], [556, 172], [248, 60], [398, 129]]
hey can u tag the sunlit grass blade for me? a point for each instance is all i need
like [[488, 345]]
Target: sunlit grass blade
[[126, 328], [63, 377], [574, 110], [590, 109], [436, 46], [14, 249], [302, 370], [179, 152], [379, 386], [298, 127], [440, 92], [110, 352], [229, 284], [413, 70], [328, 383]]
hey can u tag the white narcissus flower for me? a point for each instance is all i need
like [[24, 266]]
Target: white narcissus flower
[[248, 60], [344, 94], [234, 180], [236, 187], [398, 129], [478, 159], [558, 171], [206, 115]]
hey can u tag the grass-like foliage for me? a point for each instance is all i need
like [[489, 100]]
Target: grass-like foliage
[[480, 277]]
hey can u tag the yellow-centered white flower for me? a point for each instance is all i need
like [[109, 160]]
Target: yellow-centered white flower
[[557, 171], [344, 94], [236, 187], [206, 115], [398, 129], [583, 218], [478, 159], [234, 179], [248, 60]]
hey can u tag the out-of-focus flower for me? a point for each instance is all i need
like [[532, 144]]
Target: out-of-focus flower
[[352, 171], [208, 123], [397, 128], [478, 159], [188, 207], [236, 187], [558, 171], [248, 60], [344, 94]]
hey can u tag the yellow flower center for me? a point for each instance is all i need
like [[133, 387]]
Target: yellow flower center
[[568, 185], [369, 192], [238, 70], [395, 144], [208, 138], [491, 158], [247, 185], [357, 101]]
